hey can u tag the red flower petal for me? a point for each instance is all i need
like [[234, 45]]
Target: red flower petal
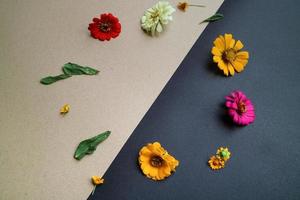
[[96, 20]]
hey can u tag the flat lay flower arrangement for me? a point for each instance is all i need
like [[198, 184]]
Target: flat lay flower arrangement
[[154, 160]]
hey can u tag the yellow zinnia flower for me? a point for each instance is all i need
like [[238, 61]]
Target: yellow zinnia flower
[[223, 153], [226, 52], [155, 162], [215, 162]]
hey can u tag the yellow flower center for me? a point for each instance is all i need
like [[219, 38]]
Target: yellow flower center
[[156, 161], [241, 107], [229, 55]]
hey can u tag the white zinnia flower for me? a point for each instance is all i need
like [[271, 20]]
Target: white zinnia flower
[[156, 17]]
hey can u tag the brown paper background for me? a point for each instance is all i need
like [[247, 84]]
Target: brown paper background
[[36, 38]]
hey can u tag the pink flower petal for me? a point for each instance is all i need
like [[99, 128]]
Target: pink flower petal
[[231, 105]]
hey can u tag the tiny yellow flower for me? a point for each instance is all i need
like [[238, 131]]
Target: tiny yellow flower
[[155, 162], [215, 163], [228, 55], [224, 153], [97, 180], [65, 109]]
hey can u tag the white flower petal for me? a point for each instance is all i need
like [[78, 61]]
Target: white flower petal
[[159, 28]]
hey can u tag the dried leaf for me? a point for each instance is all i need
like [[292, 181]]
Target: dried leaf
[[214, 18], [89, 146]]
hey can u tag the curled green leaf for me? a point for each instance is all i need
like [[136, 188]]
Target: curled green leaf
[[214, 18], [75, 69], [89, 146], [69, 69], [51, 79]]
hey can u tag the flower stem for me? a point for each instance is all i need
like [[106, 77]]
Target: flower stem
[[195, 5]]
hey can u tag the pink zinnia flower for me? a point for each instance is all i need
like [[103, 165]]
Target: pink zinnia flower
[[241, 109]]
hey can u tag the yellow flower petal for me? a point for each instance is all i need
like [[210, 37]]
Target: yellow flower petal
[[162, 174], [220, 43], [222, 65], [229, 41], [217, 59], [216, 52], [225, 70], [242, 55], [156, 145], [145, 152], [97, 180], [143, 158], [241, 60], [167, 170], [223, 40], [231, 69], [153, 173], [232, 43], [238, 45], [238, 66]]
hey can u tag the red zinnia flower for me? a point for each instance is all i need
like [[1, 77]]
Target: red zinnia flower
[[105, 27]]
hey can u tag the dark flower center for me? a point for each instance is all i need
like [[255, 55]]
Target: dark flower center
[[229, 55], [156, 161], [241, 107], [105, 26]]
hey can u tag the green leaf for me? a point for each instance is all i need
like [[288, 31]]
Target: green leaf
[[89, 146], [70, 69], [214, 18], [51, 79], [74, 69]]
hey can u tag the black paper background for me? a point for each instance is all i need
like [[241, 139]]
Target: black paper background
[[188, 117]]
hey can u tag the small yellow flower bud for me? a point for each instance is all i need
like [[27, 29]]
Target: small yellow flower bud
[[65, 109], [97, 180]]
